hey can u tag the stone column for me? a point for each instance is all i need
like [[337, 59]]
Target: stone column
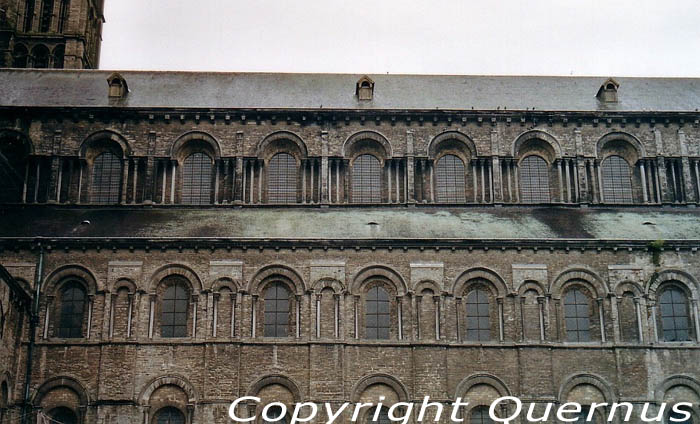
[[410, 163], [325, 187], [661, 176], [644, 180]]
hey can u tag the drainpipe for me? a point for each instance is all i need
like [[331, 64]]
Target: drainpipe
[[33, 321]]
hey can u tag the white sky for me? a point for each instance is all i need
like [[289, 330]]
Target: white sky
[[499, 37]]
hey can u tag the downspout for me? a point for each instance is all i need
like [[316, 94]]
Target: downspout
[[33, 321]]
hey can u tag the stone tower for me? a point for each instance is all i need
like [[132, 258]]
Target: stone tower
[[50, 33]]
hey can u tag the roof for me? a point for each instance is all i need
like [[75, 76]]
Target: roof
[[419, 223], [88, 88]]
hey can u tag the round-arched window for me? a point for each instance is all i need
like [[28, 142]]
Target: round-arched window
[[534, 180], [366, 180], [449, 180], [617, 180], [675, 320], [282, 179], [196, 179], [106, 178]]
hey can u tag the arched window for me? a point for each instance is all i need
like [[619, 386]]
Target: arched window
[[196, 179], [534, 180], [70, 324], [46, 15], [106, 178], [41, 57], [63, 15], [282, 179], [277, 308], [19, 56], [577, 316], [377, 314], [675, 322], [58, 56], [449, 179], [274, 412], [366, 180], [480, 415], [13, 162], [63, 415], [617, 180], [28, 15], [173, 322], [478, 325], [170, 415], [382, 416]]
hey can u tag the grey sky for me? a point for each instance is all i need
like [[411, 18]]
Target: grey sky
[[502, 37]]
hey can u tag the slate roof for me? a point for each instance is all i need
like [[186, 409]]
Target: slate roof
[[353, 223], [88, 88]]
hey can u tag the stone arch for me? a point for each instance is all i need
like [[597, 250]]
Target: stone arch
[[12, 133], [58, 382], [78, 272], [377, 270], [579, 273], [267, 272], [182, 270], [622, 144], [384, 379], [674, 381], [280, 379], [170, 380], [594, 380], [332, 283], [532, 285], [549, 140], [452, 142], [482, 378], [364, 141], [498, 284], [427, 284], [104, 140], [225, 282], [688, 281], [206, 140], [121, 283], [629, 286], [6, 378], [281, 142]]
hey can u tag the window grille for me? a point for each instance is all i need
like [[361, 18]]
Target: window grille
[[277, 308], [377, 314], [282, 179], [617, 180], [480, 415], [577, 316], [72, 311], [449, 177], [196, 179], [674, 315], [106, 178], [478, 325], [534, 180], [174, 311], [46, 13], [366, 180], [170, 415]]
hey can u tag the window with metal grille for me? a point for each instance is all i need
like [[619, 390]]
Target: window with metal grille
[[449, 180], [480, 415], [196, 179], [277, 309], [282, 179], [170, 415], [173, 322], [70, 324], [577, 316], [617, 180], [63, 15], [675, 320], [46, 14], [377, 314], [273, 413], [106, 178], [534, 180], [478, 320], [366, 180]]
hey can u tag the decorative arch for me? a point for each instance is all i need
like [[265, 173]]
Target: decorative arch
[[105, 140], [427, 284], [12, 133], [592, 379], [127, 283], [171, 380], [631, 141], [597, 285], [538, 135], [288, 273], [667, 275], [62, 381], [673, 381], [176, 269], [210, 143], [482, 378], [385, 379], [282, 141], [498, 283], [225, 282], [79, 272], [629, 286], [332, 283], [354, 144], [280, 379], [451, 140], [532, 285], [379, 271]]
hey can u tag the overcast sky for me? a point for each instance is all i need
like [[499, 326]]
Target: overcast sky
[[499, 37]]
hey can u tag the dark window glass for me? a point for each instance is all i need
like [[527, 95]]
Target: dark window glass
[[63, 415], [170, 416], [478, 325], [174, 309], [28, 15], [382, 416], [366, 180], [106, 178], [72, 311], [449, 179], [274, 412], [617, 180], [277, 309], [679, 418], [13, 161], [63, 15], [675, 320], [480, 415], [41, 57], [582, 416], [377, 314], [577, 316], [196, 179], [58, 56], [534, 180], [19, 57], [46, 15], [282, 179]]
